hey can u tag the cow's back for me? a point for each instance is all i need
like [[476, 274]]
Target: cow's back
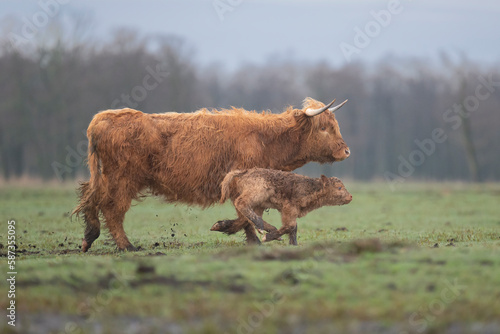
[[183, 156]]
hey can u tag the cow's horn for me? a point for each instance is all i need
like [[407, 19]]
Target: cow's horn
[[314, 112], [338, 107]]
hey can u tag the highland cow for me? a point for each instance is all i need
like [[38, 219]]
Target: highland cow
[[292, 195], [184, 157]]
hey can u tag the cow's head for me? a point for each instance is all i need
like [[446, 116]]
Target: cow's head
[[322, 140]]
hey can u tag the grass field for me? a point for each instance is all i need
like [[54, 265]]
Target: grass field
[[422, 259]]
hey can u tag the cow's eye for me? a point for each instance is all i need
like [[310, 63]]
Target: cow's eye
[[323, 128], [340, 188]]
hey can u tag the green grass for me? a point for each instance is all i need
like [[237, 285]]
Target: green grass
[[422, 259]]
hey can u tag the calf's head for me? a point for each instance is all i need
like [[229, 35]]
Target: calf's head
[[335, 191], [322, 140]]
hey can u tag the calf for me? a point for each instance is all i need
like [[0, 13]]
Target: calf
[[254, 190]]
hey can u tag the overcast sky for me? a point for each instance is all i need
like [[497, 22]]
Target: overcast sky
[[233, 32]]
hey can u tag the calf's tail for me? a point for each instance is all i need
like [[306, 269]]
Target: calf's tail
[[225, 189]]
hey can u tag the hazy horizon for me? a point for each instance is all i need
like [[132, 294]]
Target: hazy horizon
[[261, 31]]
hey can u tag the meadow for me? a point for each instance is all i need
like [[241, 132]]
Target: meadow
[[421, 259]]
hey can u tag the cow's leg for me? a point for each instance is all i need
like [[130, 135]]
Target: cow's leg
[[92, 228], [293, 236], [251, 236], [88, 207], [114, 213]]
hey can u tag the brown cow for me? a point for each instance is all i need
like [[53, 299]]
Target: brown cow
[[184, 157], [292, 195]]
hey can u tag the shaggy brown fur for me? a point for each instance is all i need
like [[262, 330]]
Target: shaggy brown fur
[[184, 157], [255, 190]]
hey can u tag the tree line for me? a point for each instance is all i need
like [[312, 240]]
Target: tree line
[[405, 119]]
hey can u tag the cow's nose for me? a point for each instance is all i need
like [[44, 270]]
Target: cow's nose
[[347, 152]]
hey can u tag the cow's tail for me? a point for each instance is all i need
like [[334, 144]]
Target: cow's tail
[[225, 189], [90, 192], [91, 195]]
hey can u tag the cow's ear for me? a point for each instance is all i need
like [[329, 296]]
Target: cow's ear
[[324, 180]]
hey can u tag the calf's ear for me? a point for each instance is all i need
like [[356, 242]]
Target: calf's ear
[[324, 180]]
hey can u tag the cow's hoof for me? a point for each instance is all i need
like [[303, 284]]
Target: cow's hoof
[[131, 248], [85, 246], [253, 241]]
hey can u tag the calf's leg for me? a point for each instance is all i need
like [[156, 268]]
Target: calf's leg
[[289, 226], [229, 226], [245, 208], [235, 225], [232, 226]]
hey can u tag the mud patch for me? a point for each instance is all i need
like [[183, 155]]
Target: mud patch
[[172, 281], [372, 245], [145, 269], [282, 255], [145, 276], [336, 251]]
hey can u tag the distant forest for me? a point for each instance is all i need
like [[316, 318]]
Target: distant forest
[[405, 119]]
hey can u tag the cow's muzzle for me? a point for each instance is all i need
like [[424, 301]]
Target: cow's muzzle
[[342, 155]]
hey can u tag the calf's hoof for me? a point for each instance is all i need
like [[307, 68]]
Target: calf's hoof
[[270, 237], [223, 226], [217, 226]]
